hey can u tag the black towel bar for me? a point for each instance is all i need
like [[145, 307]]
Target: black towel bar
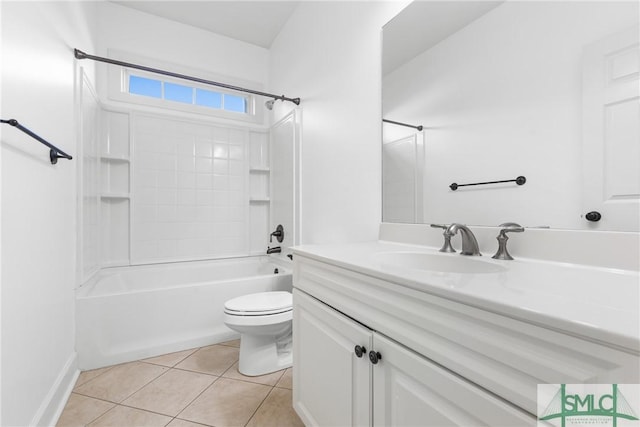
[[519, 180], [54, 153]]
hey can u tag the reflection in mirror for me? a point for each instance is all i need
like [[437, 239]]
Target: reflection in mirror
[[545, 90]]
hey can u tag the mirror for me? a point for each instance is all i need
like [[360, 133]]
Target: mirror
[[548, 91]]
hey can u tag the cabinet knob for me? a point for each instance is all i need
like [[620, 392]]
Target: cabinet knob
[[374, 356], [593, 216], [360, 351]]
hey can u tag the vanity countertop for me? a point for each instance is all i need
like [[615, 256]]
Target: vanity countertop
[[599, 303]]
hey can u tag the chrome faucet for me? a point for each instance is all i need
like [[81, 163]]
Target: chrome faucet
[[469, 242]]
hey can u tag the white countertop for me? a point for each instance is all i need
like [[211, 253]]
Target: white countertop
[[594, 302]]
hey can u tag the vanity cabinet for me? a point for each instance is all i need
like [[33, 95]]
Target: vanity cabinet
[[332, 386], [382, 384], [443, 362]]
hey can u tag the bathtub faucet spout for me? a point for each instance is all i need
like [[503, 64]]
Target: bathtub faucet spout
[[274, 250]]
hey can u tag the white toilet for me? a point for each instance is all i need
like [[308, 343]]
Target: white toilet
[[264, 323]]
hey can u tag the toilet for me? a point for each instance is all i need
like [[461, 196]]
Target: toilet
[[264, 323]]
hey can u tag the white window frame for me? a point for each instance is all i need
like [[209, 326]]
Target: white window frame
[[118, 90]]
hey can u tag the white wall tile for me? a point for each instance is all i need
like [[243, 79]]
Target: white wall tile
[[190, 200]]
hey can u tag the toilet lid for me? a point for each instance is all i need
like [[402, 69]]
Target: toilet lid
[[260, 302]]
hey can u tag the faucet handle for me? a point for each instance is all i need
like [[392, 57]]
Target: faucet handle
[[446, 246], [510, 227], [507, 227]]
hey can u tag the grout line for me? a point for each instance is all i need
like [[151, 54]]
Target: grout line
[[193, 350], [195, 372], [147, 383], [200, 424], [102, 415], [249, 382], [97, 398], [259, 406], [283, 388], [196, 398], [232, 365], [95, 418], [97, 376], [146, 410]]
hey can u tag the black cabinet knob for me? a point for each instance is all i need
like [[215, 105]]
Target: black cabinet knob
[[374, 357], [593, 216], [360, 351]]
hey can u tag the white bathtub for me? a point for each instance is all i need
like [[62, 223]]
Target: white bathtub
[[130, 313]]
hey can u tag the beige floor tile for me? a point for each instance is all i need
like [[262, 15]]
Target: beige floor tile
[[287, 379], [171, 359], [177, 422], [81, 410], [214, 360], [234, 343], [226, 403], [121, 381], [122, 416], [276, 411], [87, 376], [268, 379], [171, 392]]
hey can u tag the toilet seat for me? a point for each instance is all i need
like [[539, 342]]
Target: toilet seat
[[259, 304]]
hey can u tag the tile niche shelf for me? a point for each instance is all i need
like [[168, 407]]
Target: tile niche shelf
[[115, 189], [114, 196], [259, 200]]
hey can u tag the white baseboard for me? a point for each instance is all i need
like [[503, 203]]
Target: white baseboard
[[53, 404]]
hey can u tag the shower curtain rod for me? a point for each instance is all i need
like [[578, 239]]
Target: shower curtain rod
[[81, 55], [419, 127]]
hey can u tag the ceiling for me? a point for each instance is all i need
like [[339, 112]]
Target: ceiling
[[255, 22], [423, 24]]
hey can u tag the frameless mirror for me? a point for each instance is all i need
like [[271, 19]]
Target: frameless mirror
[[546, 91]]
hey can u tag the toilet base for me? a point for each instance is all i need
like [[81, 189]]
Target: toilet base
[[264, 354]]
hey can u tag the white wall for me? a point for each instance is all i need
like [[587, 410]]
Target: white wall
[[502, 98], [183, 48], [328, 54], [39, 205]]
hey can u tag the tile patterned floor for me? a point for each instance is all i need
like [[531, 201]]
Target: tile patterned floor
[[192, 388]]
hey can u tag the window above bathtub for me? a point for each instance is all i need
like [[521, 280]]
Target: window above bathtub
[[158, 91], [139, 85]]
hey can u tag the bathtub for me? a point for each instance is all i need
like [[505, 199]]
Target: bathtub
[[130, 313]]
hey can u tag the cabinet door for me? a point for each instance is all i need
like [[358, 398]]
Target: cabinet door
[[331, 385], [410, 390]]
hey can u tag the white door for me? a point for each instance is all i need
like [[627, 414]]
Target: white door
[[611, 131], [410, 390], [331, 384]]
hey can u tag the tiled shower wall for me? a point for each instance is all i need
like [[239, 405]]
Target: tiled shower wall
[[189, 190], [160, 189]]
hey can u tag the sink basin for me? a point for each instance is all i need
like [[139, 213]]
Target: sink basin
[[452, 263]]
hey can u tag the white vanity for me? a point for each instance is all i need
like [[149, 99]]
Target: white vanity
[[446, 339]]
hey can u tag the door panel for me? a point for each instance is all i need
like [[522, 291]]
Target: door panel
[[331, 386], [410, 390], [611, 131]]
